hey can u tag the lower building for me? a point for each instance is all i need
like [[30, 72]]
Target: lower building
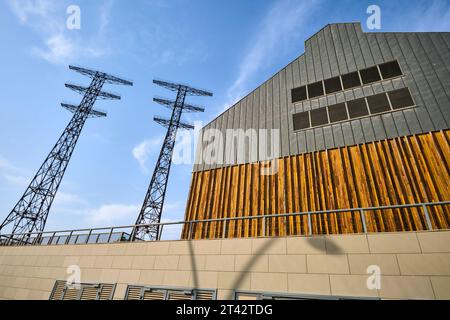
[[360, 120], [412, 265]]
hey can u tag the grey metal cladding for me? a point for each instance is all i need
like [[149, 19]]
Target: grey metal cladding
[[293, 144], [339, 49]]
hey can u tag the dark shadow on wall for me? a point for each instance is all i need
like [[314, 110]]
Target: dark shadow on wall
[[317, 242], [323, 244], [193, 264], [248, 266]]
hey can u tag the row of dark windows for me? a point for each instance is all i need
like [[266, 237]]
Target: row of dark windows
[[378, 103], [347, 81]]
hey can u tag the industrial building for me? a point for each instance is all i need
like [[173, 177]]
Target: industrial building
[[332, 172], [362, 121]]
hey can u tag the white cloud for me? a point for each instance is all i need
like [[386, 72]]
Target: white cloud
[[24, 9], [60, 45], [6, 165], [172, 207], [112, 214], [144, 150], [122, 215], [105, 12], [280, 26], [68, 199], [60, 49], [12, 174], [16, 180]]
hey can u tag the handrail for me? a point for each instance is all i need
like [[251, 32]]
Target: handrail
[[37, 237]]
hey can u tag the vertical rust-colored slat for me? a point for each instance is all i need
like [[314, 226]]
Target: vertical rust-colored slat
[[288, 191], [410, 169], [215, 205], [349, 188], [255, 196], [280, 198], [187, 215], [295, 221]]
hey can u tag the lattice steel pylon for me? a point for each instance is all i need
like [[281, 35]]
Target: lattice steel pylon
[[152, 207], [31, 212]]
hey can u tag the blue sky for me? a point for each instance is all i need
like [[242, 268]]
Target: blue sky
[[228, 47]]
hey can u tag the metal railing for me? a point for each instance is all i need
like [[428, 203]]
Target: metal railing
[[123, 233]]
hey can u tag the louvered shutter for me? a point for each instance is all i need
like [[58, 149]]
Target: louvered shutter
[[134, 293], [179, 295], [204, 295], [58, 290], [154, 295], [106, 292], [89, 293]]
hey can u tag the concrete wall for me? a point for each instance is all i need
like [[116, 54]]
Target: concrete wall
[[414, 265], [334, 50]]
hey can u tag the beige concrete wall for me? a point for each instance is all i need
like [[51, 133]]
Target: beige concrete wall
[[414, 265]]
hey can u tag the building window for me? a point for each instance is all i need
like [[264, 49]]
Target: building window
[[390, 70], [301, 120], [319, 117], [333, 85], [151, 293], [370, 75], [357, 108], [337, 112], [315, 89], [299, 94], [346, 81], [83, 291], [378, 103], [401, 98], [371, 105], [351, 80]]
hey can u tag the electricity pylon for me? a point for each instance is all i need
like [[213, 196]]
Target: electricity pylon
[[152, 207], [31, 212]]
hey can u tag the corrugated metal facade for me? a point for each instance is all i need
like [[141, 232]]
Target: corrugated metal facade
[[335, 50]]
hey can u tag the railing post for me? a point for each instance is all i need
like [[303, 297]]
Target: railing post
[[69, 237], [224, 229], [264, 226], [427, 217], [190, 231], [310, 225], [89, 235], [110, 235], [22, 240], [286, 227], [363, 220], [161, 226]]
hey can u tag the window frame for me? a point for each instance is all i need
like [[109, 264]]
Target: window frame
[[346, 112], [354, 101], [371, 81], [353, 86], [384, 94], [98, 286], [316, 84], [402, 107], [391, 77], [297, 88], [298, 114], [167, 290]]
